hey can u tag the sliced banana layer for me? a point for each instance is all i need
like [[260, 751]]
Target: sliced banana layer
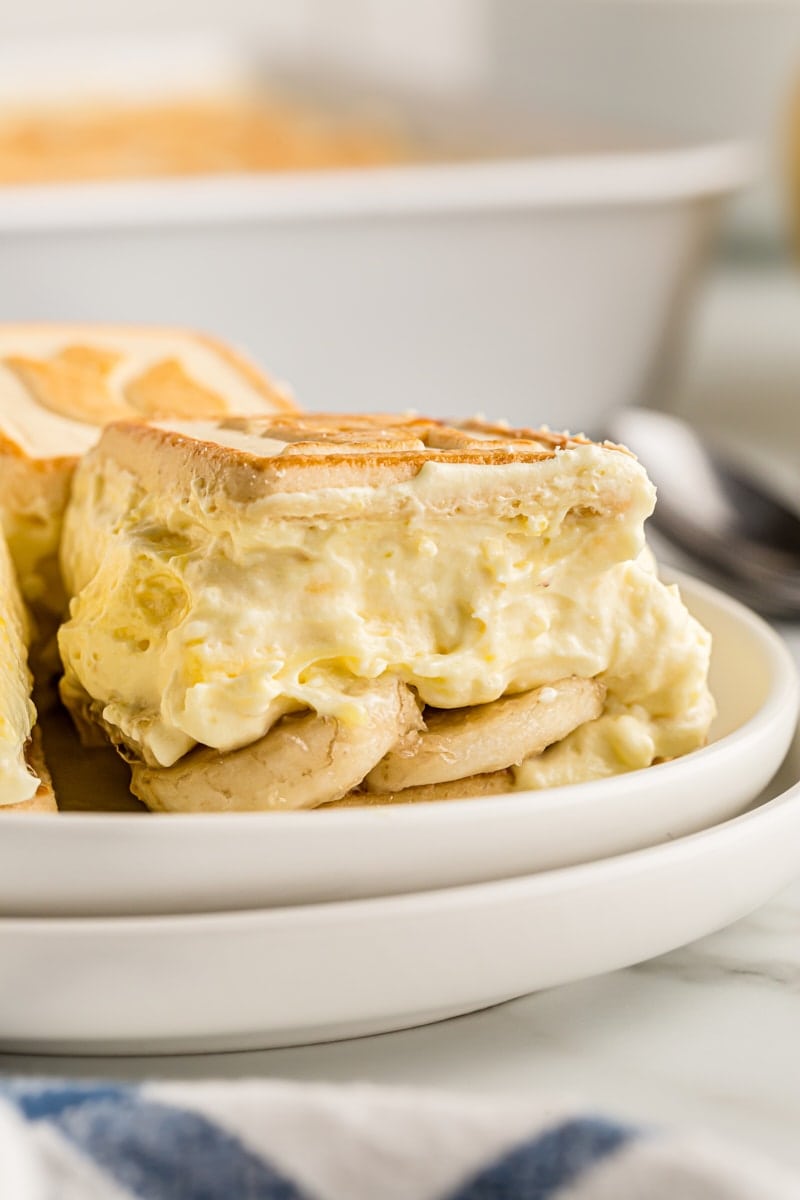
[[458, 743], [456, 789], [304, 761]]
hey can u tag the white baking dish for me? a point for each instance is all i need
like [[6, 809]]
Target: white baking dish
[[538, 288]]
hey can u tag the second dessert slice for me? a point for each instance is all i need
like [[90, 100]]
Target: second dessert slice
[[59, 384]]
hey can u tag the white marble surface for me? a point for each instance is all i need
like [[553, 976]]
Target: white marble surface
[[707, 1036]]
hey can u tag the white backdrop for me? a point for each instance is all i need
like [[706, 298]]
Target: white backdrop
[[700, 65], [430, 40]]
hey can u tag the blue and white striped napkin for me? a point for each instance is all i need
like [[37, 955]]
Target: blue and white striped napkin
[[256, 1140]]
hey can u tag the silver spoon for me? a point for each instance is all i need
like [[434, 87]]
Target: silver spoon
[[715, 512]]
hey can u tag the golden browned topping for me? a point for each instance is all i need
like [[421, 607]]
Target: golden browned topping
[[166, 390], [194, 137], [75, 383]]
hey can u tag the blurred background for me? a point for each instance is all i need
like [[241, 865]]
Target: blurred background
[[575, 206]]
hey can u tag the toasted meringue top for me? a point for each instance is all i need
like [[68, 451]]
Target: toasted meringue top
[[59, 383]]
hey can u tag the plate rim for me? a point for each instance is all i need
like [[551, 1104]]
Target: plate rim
[[637, 178], [558, 879]]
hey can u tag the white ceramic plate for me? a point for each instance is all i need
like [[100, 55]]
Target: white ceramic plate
[[287, 976], [118, 863]]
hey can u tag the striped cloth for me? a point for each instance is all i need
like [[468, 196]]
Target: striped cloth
[[256, 1140]]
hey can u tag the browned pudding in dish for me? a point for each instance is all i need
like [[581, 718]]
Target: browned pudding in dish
[[190, 137], [293, 611]]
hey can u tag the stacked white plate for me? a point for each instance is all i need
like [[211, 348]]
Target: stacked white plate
[[122, 932]]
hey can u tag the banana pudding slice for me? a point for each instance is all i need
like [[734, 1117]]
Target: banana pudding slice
[[235, 577]]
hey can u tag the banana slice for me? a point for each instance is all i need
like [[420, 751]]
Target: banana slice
[[456, 789], [304, 761], [458, 743]]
